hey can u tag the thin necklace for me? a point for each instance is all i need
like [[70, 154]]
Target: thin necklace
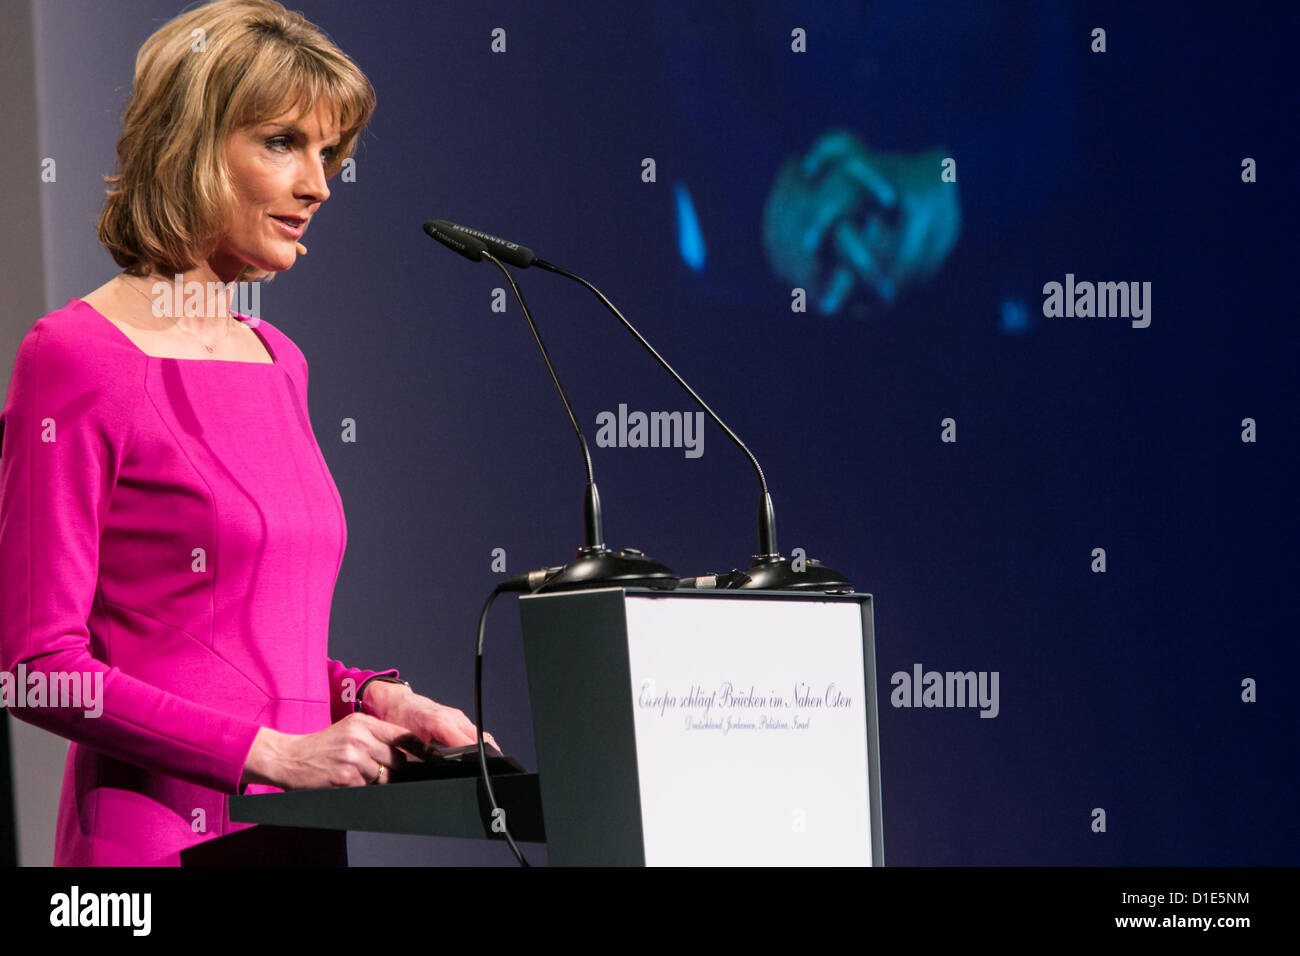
[[210, 348]]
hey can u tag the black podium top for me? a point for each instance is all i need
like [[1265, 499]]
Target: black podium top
[[425, 807]]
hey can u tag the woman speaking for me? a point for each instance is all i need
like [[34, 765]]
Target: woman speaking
[[170, 535]]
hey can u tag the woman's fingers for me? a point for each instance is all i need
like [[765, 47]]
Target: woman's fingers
[[439, 724], [377, 739]]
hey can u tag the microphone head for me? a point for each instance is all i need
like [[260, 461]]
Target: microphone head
[[511, 253], [455, 240]]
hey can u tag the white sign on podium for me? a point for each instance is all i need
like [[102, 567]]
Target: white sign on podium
[[751, 731]]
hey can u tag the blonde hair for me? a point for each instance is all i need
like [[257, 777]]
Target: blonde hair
[[209, 73]]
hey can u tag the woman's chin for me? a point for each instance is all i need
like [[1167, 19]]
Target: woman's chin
[[267, 270]]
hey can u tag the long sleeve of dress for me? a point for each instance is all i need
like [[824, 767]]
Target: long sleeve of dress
[[63, 436]]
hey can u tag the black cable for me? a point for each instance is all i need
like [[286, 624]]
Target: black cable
[[501, 588]]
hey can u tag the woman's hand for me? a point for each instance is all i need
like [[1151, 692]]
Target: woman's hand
[[349, 753], [427, 719]]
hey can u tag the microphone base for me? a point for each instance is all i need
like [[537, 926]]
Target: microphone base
[[773, 573], [603, 568]]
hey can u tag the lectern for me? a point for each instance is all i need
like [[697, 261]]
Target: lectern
[[672, 728]]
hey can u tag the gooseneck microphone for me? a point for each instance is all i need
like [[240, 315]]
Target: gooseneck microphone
[[595, 565], [457, 240], [508, 252], [767, 570]]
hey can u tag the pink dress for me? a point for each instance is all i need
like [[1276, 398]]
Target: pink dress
[[168, 527]]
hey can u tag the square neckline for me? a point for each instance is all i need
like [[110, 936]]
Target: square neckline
[[275, 359]]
